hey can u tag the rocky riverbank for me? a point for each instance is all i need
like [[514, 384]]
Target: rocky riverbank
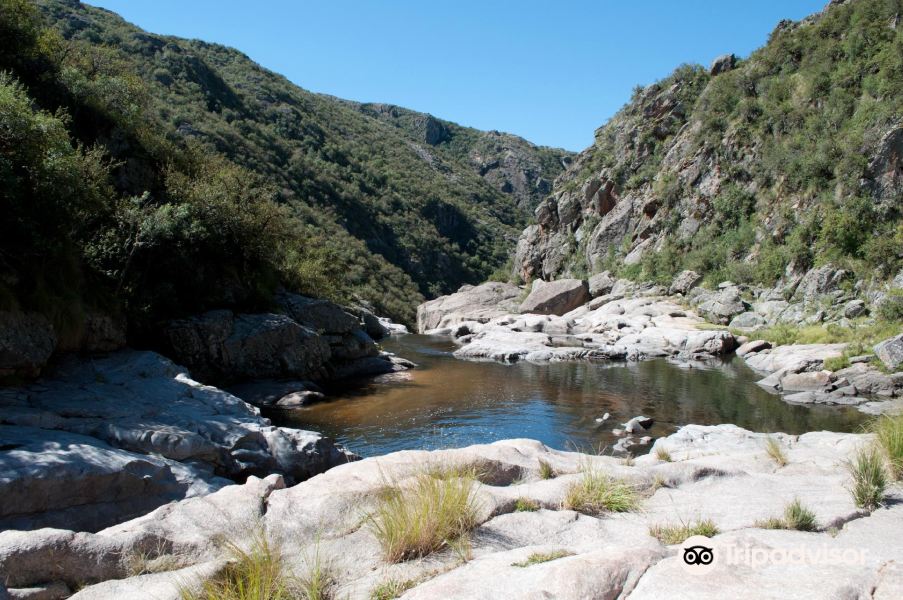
[[530, 539], [610, 319]]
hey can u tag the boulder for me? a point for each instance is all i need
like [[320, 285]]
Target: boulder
[[748, 320], [819, 282], [556, 297], [722, 64], [854, 308], [222, 346], [806, 381], [601, 283], [470, 303], [322, 316], [684, 282], [26, 342], [753, 347], [638, 424], [890, 352], [722, 306]]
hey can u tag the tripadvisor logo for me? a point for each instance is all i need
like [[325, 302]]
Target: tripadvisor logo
[[698, 555]]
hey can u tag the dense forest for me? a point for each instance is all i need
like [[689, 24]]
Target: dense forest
[[151, 177]]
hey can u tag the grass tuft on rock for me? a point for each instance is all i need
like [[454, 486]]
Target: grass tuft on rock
[[597, 493], [414, 521], [796, 516], [775, 451], [391, 589], [662, 454], [869, 478], [257, 573], [676, 534], [526, 505], [888, 431], [542, 557], [545, 470]]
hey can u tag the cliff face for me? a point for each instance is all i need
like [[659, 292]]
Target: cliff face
[[751, 170]]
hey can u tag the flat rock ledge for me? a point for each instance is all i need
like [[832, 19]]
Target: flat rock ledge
[[108, 439], [722, 473]]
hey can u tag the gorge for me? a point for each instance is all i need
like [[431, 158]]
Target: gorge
[[257, 342]]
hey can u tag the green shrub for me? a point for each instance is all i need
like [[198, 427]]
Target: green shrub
[[888, 431], [869, 478], [596, 493], [526, 505], [545, 470], [891, 308]]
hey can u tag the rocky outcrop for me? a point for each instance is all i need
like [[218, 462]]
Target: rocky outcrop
[[722, 64], [470, 303], [635, 328], [114, 437], [721, 473], [555, 297], [684, 282], [314, 339]]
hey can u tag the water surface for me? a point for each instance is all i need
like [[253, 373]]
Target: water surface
[[447, 402]]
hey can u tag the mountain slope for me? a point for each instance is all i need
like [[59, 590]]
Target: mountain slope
[[751, 171], [391, 213]]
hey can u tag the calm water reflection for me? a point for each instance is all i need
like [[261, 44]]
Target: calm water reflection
[[449, 402]]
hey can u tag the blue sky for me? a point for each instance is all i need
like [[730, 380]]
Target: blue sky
[[551, 72]]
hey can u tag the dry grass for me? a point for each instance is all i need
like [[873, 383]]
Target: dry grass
[[662, 454], [889, 434], [545, 470], [775, 451], [254, 574], [796, 516], [542, 557], [676, 534], [869, 478], [526, 505], [391, 589], [413, 521], [596, 493], [158, 560]]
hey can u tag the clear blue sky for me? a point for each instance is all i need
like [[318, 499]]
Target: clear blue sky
[[549, 71]]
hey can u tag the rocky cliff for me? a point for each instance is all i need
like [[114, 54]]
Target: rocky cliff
[[750, 171]]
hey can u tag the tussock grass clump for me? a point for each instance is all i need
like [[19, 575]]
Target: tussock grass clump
[[526, 505], [391, 589], [662, 454], [545, 470], [410, 522], [596, 493], [889, 434], [775, 451], [869, 478], [796, 516], [676, 534], [542, 557], [318, 581], [254, 574]]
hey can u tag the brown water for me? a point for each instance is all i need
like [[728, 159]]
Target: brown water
[[448, 402]]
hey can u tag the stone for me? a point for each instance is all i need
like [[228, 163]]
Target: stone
[[104, 439], [556, 297], [684, 282], [26, 342], [753, 347], [819, 282], [601, 284], [722, 306], [638, 424], [470, 303], [322, 316], [809, 381], [223, 346], [722, 64], [890, 352], [794, 358], [748, 320], [854, 308]]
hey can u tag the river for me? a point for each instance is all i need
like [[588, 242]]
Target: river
[[446, 402]]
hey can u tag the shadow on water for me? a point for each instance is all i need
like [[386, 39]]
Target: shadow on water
[[447, 402]]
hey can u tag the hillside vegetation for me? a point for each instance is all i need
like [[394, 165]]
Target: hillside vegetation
[[152, 176], [758, 169]]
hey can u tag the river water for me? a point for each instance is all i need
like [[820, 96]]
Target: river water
[[447, 402]]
